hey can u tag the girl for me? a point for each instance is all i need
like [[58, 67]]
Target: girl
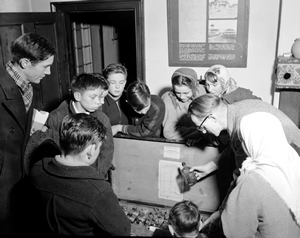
[[177, 125], [218, 81]]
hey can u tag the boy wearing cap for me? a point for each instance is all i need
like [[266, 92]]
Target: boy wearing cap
[[177, 125]]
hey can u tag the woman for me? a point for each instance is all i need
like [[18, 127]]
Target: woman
[[177, 125], [266, 199]]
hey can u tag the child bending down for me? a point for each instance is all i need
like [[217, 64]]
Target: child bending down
[[184, 221], [150, 111]]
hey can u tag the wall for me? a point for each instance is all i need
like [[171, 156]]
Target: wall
[[264, 42], [261, 48], [289, 30], [15, 5]]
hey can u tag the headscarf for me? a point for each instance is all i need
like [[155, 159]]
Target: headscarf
[[223, 77], [272, 157], [195, 87]]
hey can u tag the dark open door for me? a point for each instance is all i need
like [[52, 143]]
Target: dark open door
[[126, 19], [55, 87]]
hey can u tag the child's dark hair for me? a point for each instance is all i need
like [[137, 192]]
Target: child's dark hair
[[79, 131], [114, 68], [89, 81], [185, 217], [138, 95], [211, 77], [31, 46]]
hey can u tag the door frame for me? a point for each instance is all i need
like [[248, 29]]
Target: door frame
[[52, 90], [137, 6]]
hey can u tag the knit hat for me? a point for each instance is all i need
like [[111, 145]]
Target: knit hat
[[187, 72]]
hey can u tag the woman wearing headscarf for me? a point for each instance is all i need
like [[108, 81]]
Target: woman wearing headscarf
[[266, 199], [177, 125]]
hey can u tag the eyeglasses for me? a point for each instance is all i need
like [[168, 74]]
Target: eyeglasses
[[200, 127]]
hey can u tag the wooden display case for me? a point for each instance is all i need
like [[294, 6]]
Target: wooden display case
[[145, 173]]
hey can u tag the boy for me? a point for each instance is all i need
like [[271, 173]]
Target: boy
[[75, 198], [115, 105], [184, 221], [89, 91], [150, 111], [32, 57]]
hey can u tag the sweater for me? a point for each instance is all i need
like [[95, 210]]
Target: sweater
[[267, 215], [177, 125], [119, 111], [238, 110], [237, 95]]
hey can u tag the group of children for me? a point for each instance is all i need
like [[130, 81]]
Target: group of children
[[100, 108], [77, 197], [136, 112], [66, 191]]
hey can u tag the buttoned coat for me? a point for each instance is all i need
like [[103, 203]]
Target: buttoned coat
[[14, 134]]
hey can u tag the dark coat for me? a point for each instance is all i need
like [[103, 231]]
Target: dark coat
[[118, 112], [14, 133], [149, 124], [105, 158], [76, 200]]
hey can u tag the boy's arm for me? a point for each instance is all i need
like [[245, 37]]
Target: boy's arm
[[53, 121], [56, 116], [151, 123], [107, 148]]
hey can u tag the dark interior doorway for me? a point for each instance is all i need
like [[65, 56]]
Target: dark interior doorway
[[115, 42], [103, 32]]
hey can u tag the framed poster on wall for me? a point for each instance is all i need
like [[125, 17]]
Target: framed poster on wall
[[202, 33]]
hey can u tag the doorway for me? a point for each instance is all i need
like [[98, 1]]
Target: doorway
[[100, 33]]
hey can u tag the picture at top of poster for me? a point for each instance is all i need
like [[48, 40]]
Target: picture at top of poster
[[222, 31], [223, 8]]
